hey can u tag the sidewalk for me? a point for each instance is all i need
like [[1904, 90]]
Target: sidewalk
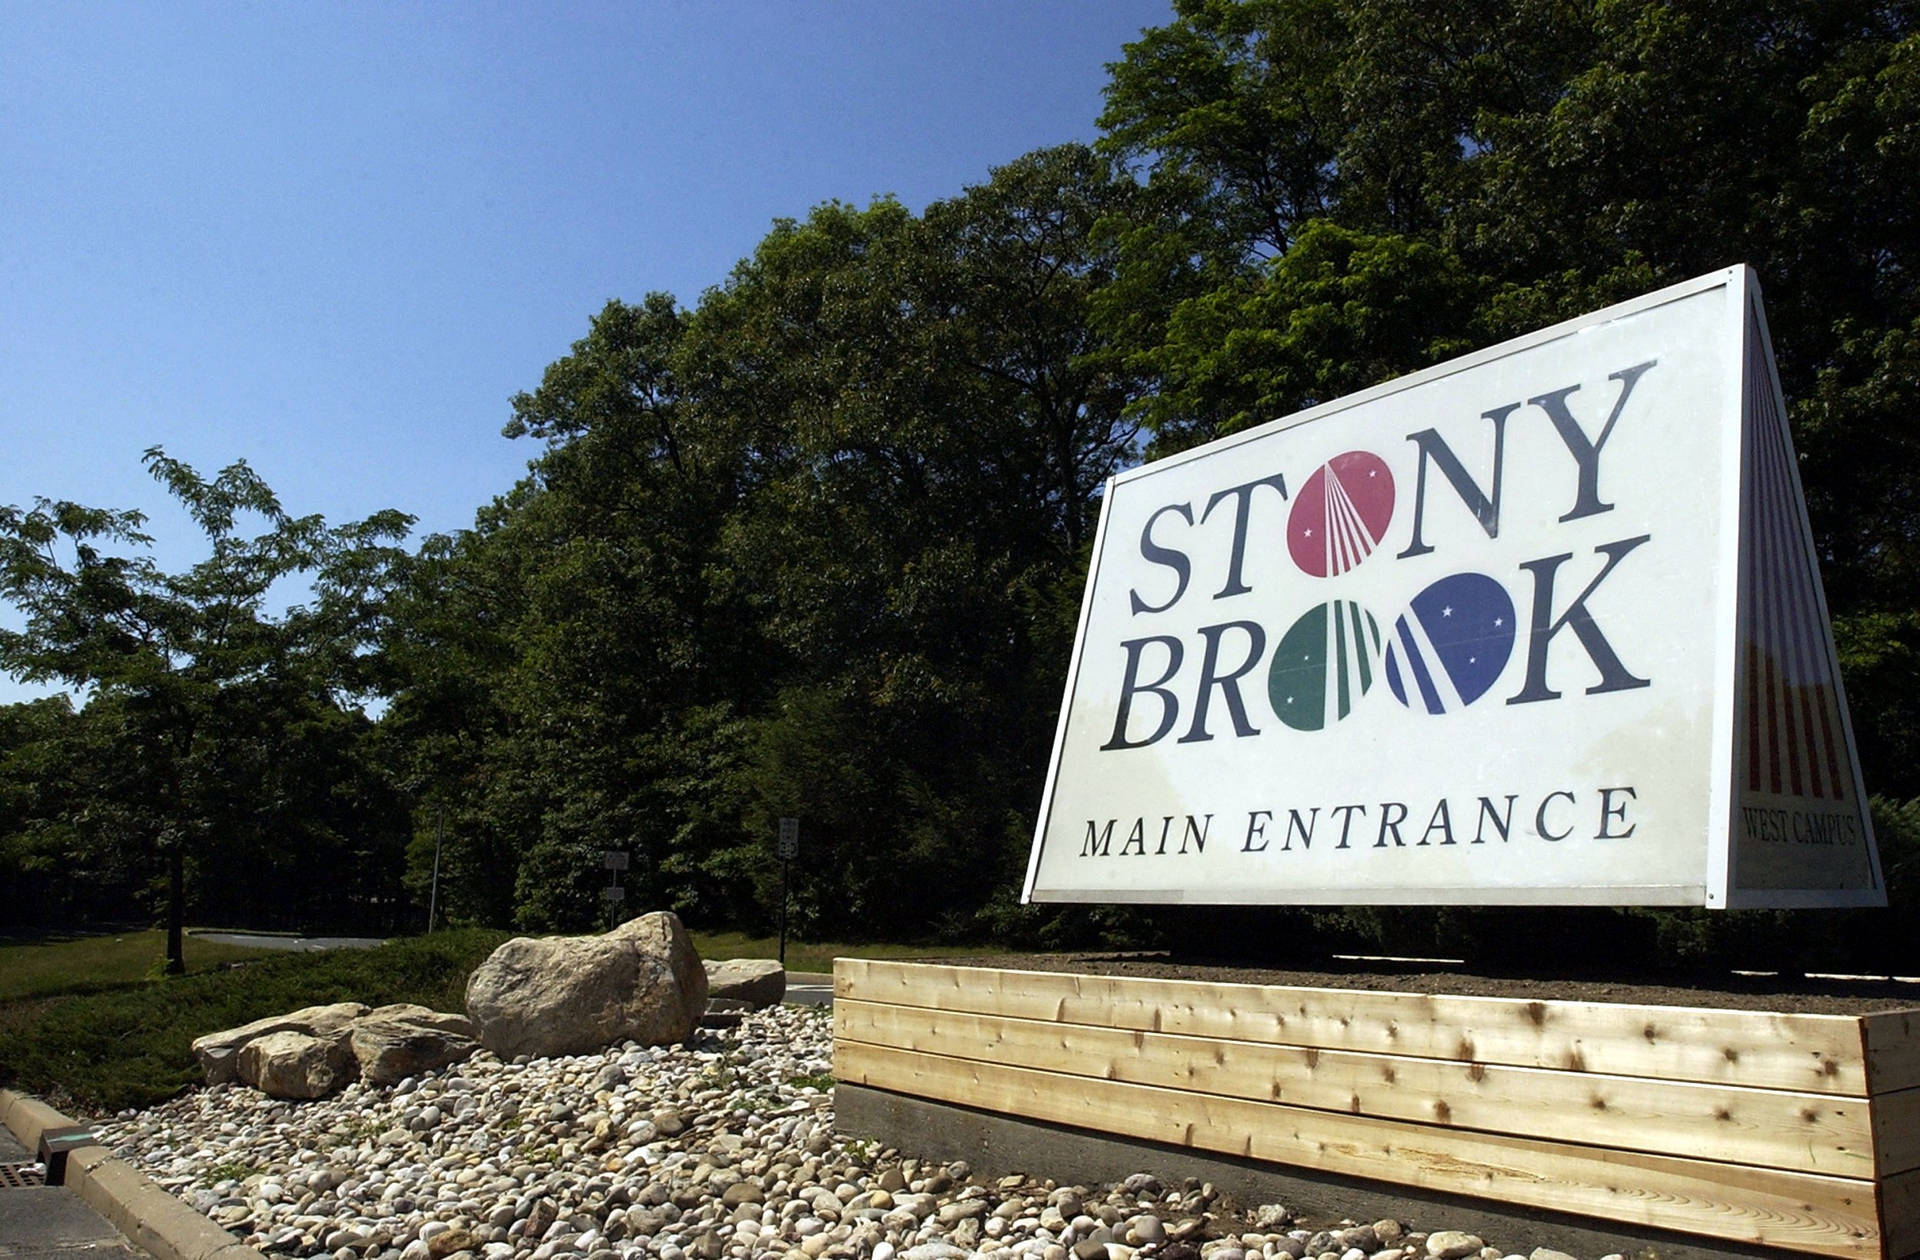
[[51, 1222], [60, 1222]]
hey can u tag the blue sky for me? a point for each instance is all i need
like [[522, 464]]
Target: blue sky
[[333, 240]]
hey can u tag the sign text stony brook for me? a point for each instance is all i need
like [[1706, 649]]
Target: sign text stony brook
[[1244, 676]]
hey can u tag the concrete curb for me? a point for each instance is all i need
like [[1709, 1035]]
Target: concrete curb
[[151, 1219]]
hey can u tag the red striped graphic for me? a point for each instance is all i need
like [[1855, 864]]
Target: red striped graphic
[[1341, 514]]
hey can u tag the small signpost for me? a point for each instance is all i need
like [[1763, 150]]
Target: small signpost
[[614, 895], [789, 849]]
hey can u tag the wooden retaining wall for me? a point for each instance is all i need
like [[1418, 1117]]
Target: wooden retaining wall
[[1793, 1131]]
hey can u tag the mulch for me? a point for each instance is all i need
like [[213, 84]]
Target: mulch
[[1814, 995]]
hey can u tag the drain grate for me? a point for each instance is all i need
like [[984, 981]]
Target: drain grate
[[16, 1176]]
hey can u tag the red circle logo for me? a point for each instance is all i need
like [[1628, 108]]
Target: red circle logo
[[1341, 514]]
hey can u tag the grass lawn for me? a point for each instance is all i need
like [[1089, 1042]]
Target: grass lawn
[[89, 964]]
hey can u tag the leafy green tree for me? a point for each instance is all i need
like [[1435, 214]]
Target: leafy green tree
[[943, 417], [223, 719], [57, 858], [813, 548], [569, 664]]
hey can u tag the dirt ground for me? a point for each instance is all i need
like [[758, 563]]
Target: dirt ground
[[1730, 991]]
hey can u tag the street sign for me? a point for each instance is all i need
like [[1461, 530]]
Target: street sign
[[789, 839], [615, 893], [613, 861]]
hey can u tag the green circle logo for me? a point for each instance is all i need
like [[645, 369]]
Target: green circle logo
[[1325, 663]]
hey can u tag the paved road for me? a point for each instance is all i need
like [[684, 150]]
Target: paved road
[[300, 943], [51, 1222], [810, 988]]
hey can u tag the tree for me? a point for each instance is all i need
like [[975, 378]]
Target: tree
[[570, 664], [58, 855], [812, 549], [218, 706], [939, 419]]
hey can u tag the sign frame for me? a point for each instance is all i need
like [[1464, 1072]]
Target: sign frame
[[1718, 884]]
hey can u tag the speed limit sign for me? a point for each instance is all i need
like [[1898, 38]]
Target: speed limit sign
[[789, 839]]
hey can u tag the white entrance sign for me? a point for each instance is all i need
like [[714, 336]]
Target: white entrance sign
[[1541, 625]]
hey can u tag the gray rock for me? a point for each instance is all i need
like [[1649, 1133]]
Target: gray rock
[[296, 1064], [640, 982], [394, 1042], [1453, 1244], [962, 1210], [1269, 1217], [1548, 1253], [759, 982], [742, 1192], [218, 1053], [451, 1242], [918, 1206]]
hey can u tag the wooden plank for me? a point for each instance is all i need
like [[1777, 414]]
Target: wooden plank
[[1768, 1128], [1892, 1041], [1796, 1211], [1900, 1214], [1896, 1131], [1816, 1054]]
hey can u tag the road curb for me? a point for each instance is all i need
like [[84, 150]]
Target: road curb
[[151, 1219]]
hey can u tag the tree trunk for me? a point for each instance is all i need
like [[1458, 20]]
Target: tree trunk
[[176, 910]]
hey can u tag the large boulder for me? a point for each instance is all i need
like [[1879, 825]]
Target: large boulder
[[296, 1064], [391, 1043], [759, 982], [570, 994], [218, 1053]]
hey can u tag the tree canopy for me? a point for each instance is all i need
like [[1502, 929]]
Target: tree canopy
[[814, 545]]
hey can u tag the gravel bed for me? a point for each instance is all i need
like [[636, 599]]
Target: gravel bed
[[720, 1148]]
